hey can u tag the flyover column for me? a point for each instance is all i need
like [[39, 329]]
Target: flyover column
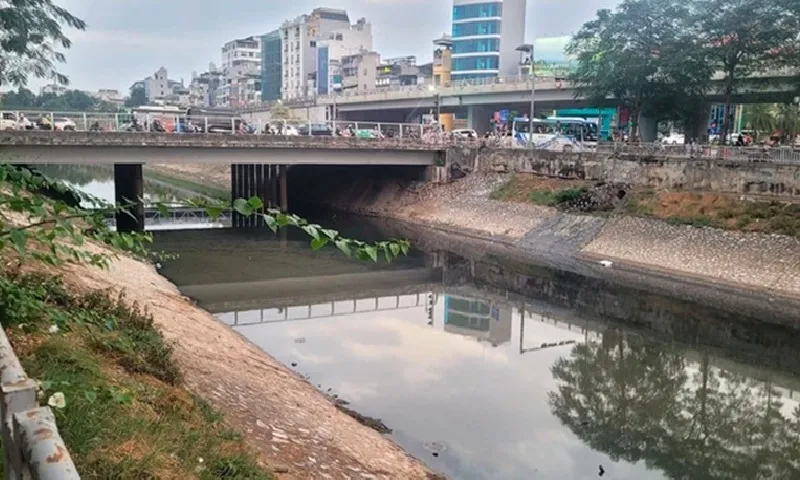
[[129, 191], [284, 188], [479, 119]]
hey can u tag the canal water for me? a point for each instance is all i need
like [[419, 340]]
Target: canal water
[[488, 368]]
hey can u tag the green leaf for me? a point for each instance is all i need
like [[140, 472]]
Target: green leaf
[[312, 231], [162, 209], [242, 207], [214, 211], [332, 234], [344, 245], [372, 252], [387, 254], [19, 238], [255, 202], [318, 243], [90, 396], [271, 223], [395, 248], [282, 219], [404, 248]]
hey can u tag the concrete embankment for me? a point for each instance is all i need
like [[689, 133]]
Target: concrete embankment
[[296, 430], [769, 263]]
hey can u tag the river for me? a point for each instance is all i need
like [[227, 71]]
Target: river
[[486, 367]]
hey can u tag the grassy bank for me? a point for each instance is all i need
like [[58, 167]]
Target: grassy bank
[[699, 209], [545, 191], [126, 414], [183, 182]]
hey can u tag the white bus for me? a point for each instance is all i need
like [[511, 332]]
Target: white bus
[[164, 114], [558, 134]]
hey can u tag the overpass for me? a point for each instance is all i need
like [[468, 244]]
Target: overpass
[[479, 98], [258, 162]]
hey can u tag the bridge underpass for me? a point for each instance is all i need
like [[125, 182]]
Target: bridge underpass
[[259, 162]]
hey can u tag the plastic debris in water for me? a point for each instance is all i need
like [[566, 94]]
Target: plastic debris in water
[[606, 263]]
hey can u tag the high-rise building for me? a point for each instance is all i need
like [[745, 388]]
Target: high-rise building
[[486, 34], [339, 43], [299, 49], [271, 66]]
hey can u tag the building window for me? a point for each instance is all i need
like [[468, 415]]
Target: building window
[[487, 27], [312, 44], [475, 46], [486, 62], [477, 10]]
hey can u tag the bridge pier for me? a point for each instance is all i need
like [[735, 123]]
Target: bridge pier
[[267, 182], [129, 187]]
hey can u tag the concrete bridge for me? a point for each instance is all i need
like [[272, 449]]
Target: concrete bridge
[[259, 163], [480, 98]]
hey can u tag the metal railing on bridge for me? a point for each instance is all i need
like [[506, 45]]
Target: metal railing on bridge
[[32, 446]]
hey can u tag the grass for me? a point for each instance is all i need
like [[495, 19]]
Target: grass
[[539, 190], [716, 210], [182, 183], [126, 414]]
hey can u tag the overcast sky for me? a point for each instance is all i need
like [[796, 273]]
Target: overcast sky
[[127, 40]]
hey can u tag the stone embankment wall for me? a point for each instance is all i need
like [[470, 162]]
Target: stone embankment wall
[[717, 175]]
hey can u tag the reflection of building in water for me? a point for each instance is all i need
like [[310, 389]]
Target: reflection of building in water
[[470, 317]]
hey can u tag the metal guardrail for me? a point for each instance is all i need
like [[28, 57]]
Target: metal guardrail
[[32, 446], [758, 154]]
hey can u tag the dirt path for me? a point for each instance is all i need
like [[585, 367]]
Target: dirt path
[[295, 428]]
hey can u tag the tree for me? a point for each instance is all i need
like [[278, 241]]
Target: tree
[[31, 40], [137, 98], [279, 111], [759, 117], [742, 38], [787, 121], [638, 55], [21, 99]]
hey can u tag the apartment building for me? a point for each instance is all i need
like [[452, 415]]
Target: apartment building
[[299, 49], [241, 66], [339, 43], [485, 37]]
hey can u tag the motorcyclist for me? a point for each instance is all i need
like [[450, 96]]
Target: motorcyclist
[[45, 122]]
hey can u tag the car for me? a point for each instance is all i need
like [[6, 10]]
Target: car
[[465, 133], [8, 121], [317, 130], [64, 124], [673, 139]]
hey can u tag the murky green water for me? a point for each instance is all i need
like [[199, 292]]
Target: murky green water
[[507, 371]]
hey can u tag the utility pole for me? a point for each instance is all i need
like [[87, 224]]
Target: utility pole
[[528, 48]]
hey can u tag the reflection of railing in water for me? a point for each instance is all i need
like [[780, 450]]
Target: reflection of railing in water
[[181, 215], [588, 333], [418, 301]]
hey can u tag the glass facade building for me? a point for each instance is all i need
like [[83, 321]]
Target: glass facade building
[[485, 37], [271, 66]]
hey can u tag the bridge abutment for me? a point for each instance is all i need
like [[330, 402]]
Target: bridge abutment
[[129, 191]]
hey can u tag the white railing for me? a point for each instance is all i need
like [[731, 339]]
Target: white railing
[[785, 155], [32, 447]]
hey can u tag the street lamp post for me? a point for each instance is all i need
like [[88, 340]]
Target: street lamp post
[[528, 48]]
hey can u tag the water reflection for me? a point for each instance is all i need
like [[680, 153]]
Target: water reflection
[[518, 371], [98, 182]]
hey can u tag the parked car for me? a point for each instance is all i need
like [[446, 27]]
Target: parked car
[[8, 121], [465, 133], [673, 139], [317, 130], [64, 124]]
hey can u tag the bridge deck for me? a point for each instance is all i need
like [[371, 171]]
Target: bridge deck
[[36, 147]]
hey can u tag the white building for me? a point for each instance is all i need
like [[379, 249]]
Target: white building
[[156, 86], [53, 89], [340, 43], [241, 66], [299, 39], [486, 34]]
